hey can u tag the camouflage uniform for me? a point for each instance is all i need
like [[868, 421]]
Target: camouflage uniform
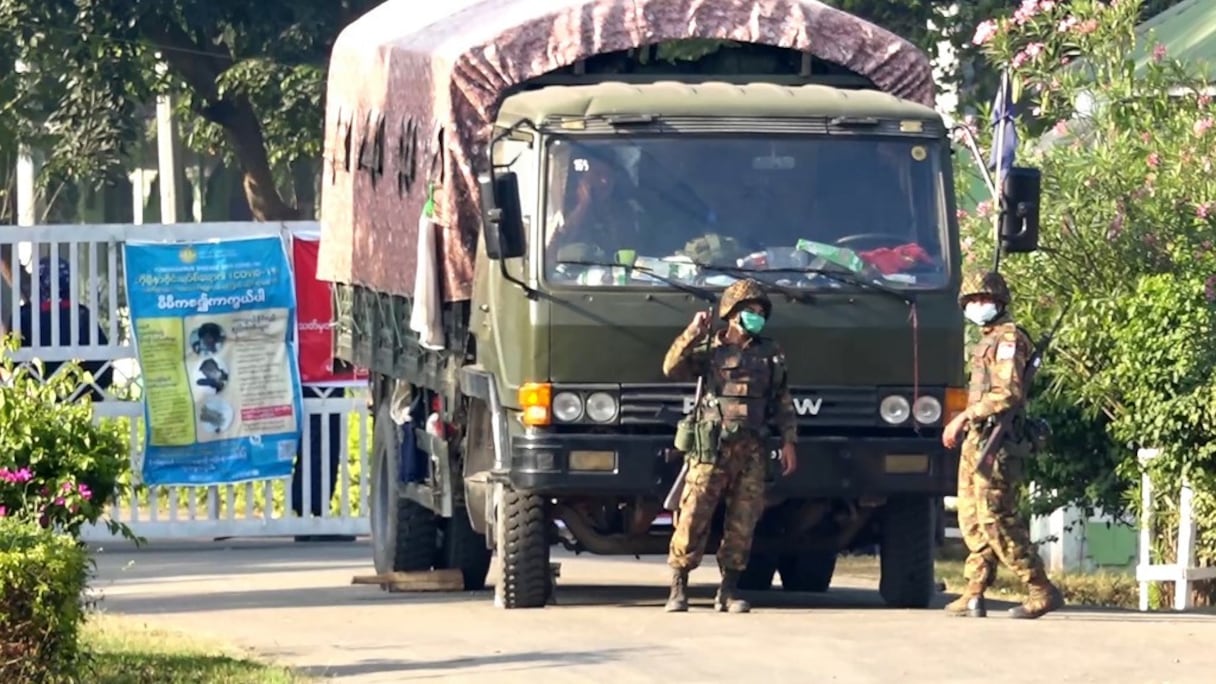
[[987, 497], [748, 383]]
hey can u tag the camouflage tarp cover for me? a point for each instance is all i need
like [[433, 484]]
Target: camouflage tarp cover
[[430, 77]]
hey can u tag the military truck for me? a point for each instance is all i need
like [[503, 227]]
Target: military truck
[[523, 205]]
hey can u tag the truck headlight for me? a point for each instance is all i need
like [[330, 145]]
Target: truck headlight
[[894, 409], [567, 407], [601, 407], [927, 410]]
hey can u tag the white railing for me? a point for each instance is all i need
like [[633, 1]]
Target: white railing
[[1182, 572], [264, 508]]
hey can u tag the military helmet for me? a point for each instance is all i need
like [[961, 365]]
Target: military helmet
[[740, 292], [988, 283]]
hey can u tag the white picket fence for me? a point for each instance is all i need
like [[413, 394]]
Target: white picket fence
[[263, 508]]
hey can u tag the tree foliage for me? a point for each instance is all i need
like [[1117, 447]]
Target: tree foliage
[[1129, 207], [251, 75]]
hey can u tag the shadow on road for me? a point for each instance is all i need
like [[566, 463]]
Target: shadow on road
[[178, 562], [290, 597], [500, 662]]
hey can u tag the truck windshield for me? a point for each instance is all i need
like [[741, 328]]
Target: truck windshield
[[788, 209]]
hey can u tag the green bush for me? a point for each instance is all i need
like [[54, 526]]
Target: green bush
[[43, 575], [57, 465], [1128, 211]]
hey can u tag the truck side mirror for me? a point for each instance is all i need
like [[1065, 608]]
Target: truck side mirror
[[501, 218], [1020, 199]]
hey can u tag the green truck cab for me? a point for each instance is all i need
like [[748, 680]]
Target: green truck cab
[[611, 207]]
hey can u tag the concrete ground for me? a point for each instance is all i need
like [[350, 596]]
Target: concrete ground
[[294, 603]]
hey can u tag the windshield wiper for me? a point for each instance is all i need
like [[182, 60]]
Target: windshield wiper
[[845, 277], [800, 296], [700, 293]]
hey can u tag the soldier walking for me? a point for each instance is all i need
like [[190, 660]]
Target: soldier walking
[[745, 388], [987, 492]]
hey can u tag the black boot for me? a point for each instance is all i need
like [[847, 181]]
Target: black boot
[[728, 599], [677, 602]]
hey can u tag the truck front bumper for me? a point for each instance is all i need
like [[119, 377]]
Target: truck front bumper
[[632, 465]]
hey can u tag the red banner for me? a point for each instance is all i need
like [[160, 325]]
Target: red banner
[[315, 321]]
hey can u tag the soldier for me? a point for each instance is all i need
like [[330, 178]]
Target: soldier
[[987, 493], [745, 388]]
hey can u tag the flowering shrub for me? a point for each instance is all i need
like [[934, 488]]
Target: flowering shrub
[[1128, 212], [58, 467], [43, 575]]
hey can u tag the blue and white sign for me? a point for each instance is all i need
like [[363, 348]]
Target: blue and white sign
[[214, 326]]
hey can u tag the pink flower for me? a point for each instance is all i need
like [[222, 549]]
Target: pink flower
[[1205, 100], [65, 487], [1204, 125], [1158, 52], [1020, 58], [1086, 27], [16, 476], [961, 214], [1067, 23], [984, 209], [1030, 8], [1204, 210], [985, 32], [1146, 137], [85, 492], [59, 501], [1061, 127], [1154, 160], [1034, 50], [3, 511]]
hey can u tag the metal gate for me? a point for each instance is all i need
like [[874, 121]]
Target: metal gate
[[336, 425]]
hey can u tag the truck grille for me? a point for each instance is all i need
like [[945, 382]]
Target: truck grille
[[823, 406]]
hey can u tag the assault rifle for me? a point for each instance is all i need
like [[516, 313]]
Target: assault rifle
[[1005, 424], [672, 500]]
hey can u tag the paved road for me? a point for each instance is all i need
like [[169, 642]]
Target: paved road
[[295, 603]]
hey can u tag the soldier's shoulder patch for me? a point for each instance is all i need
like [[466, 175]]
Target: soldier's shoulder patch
[[1007, 349]]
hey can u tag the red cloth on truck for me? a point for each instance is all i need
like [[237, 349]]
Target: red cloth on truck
[[890, 260]]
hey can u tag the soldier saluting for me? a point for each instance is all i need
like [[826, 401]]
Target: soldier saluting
[[987, 491], [745, 388]]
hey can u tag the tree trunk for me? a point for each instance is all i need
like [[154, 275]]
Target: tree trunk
[[245, 133], [201, 70]]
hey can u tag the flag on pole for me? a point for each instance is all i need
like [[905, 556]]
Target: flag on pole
[[1004, 133]]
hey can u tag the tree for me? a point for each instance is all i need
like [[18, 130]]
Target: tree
[[1130, 207], [252, 75]]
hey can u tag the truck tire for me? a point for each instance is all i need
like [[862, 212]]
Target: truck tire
[[810, 570], [404, 533], [522, 542], [758, 576], [465, 550], [906, 552]]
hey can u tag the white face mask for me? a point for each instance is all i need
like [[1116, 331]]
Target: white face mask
[[980, 313]]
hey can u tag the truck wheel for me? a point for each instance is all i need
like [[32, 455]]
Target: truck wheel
[[758, 576], [522, 542], [906, 552], [404, 533], [465, 550], [809, 570]]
